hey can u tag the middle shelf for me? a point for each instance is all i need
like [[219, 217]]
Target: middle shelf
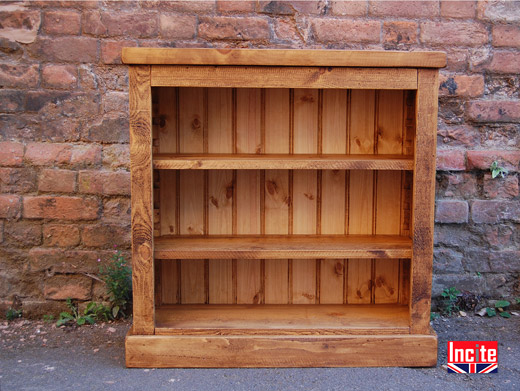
[[282, 247], [275, 161]]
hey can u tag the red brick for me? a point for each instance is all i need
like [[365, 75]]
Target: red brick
[[60, 235], [501, 187], [111, 50], [458, 9], [504, 62], [407, 9], [493, 111], [2, 231], [25, 76], [503, 11], [12, 101], [285, 29], [275, 7], [115, 101], [470, 86], [86, 155], [456, 59], [61, 22], [60, 76], [23, 233], [451, 211], [227, 6], [224, 27], [458, 136], [9, 206], [506, 35], [57, 260], [19, 24], [17, 180], [492, 212], [41, 154], [310, 7], [92, 23], [399, 34], [62, 287], [57, 181], [104, 182], [450, 160], [453, 33], [112, 128], [106, 235], [117, 210], [11, 153], [346, 31], [202, 7], [66, 49], [482, 160], [135, 24], [456, 184], [348, 8], [116, 156], [60, 208], [175, 26]]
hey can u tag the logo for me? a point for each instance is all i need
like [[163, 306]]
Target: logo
[[472, 357]]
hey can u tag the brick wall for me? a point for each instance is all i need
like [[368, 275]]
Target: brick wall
[[64, 180]]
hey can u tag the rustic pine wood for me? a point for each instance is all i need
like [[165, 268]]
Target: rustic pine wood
[[274, 57], [194, 351], [276, 215]]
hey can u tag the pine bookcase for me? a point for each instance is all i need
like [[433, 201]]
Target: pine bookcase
[[282, 207]]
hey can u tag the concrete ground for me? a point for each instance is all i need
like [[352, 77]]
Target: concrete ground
[[37, 356]]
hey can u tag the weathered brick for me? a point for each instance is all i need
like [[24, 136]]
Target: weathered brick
[[502, 86], [236, 28], [348, 31], [17, 180], [138, 25], [66, 49], [116, 156], [399, 35], [57, 181], [61, 22], [493, 212], [202, 7], [498, 11], [456, 59], [19, 24], [86, 155], [57, 104], [60, 235], [310, 7], [60, 208], [2, 231], [348, 8], [458, 136], [501, 187], [474, 262], [104, 182], [111, 129], [287, 30], [458, 9], [446, 260], [456, 184], [482, 160], [451, 211], [106, 235], [471, 86], [23, 233], [41, 154], [494, 111], [275, 7], [11, 153], [504, 62], [19, 75], [10, 206], [117, 210], [60, 76], [111, 50], [453, 33], [175, 26], [504, 261], [226, 6], [450, 160], [115, 101], [61, 130], [407, 9], [57, 260], [12, 101], [506, 35], [61, 287], [87, 78], [92, 23]]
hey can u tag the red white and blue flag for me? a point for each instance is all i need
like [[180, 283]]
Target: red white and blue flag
[[472, 357]]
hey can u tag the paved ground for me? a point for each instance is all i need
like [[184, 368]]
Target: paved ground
[[37, 356]]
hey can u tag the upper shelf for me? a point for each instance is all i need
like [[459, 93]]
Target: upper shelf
[[284, 57], [285, 162]]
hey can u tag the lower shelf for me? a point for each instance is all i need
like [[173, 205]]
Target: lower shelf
[[319, 319]]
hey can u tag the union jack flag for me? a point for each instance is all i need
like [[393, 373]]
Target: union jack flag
[[472, 368]]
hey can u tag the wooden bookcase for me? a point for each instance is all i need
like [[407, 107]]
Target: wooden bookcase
[[282, 207]]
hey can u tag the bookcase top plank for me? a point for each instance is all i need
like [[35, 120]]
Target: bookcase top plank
[[283, 57]]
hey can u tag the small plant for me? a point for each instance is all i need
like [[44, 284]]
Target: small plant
[[449, 301], [48, 318], [497, 170], [500, 308], [117, 277], [433, 315], [92, 312], [12, 314]]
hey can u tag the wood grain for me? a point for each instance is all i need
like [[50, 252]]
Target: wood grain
[[274, 57], [142, 199]]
